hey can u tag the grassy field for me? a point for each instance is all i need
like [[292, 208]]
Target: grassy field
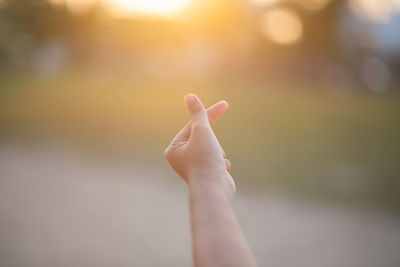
[[332, 143]]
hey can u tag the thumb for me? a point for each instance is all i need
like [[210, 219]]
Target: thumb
[[198, 113]]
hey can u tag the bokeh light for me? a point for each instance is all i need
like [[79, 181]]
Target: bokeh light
[[265, 3], [375, 10], [282, 26], [165, 8], [376, 74], [91, 93]]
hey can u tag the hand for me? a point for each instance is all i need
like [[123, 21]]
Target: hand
[[195, 151]]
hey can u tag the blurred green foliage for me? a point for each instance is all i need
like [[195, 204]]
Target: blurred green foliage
[[334, 143]]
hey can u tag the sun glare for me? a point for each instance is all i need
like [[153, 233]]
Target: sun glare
[[165, 8]]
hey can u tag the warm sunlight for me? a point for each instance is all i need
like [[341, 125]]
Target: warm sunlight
[[375, 10], [165, 8], [265, 3], [313, 4], [282, 26]]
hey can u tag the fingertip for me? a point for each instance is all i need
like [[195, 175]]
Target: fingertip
[[189, 99], [196, 109], [225, 103]]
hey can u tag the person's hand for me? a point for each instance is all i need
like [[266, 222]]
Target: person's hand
[[195, 151]]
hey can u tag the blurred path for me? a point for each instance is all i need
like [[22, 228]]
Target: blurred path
[[59, 208]]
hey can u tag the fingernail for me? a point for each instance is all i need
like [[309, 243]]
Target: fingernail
[[189, 99], [226, 103]]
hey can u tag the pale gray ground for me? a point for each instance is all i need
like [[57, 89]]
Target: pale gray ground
[[59, 208]]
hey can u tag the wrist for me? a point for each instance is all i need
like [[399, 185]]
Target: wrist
[[210, 181]]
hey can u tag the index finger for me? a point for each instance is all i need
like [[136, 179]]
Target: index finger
[[217, 110], [213, 113]]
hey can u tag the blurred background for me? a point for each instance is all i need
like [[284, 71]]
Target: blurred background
[[91, 92]]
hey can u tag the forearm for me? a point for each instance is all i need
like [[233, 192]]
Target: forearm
[[216, 234]]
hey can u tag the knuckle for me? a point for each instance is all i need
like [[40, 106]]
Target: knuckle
[[199, 113], [197, 109], [167, 152]]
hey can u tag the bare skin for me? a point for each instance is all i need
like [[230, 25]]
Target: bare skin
[[196, 155]]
